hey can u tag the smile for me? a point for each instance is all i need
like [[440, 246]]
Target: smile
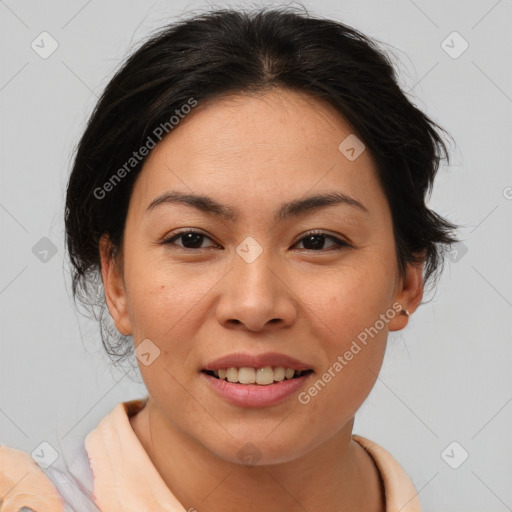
[[252, 395], [261, 376]]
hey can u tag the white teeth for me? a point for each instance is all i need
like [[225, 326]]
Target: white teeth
[[246, 375], [279, 373], [262, 376], [289, 373], [232, 374]]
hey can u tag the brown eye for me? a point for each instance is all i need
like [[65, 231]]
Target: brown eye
[[189, 240], [316, 241]]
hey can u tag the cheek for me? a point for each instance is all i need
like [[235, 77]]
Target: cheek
[[161, 298], [168, 305], [353, 349], [351, 297], [163, 305], [351, 311]]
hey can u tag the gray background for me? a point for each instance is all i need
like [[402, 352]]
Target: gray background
[[446, 378]]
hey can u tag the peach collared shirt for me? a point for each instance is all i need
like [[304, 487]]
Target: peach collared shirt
[[125, 478]]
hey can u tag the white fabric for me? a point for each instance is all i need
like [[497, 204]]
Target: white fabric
[[72, 476]]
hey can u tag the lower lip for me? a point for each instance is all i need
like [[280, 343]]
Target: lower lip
[[256, 395]]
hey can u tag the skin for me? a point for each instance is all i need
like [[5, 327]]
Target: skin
[[253, 153]]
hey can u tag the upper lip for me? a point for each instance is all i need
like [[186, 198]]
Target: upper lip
[[241, 359]]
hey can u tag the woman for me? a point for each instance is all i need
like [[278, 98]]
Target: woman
[[251, 189]]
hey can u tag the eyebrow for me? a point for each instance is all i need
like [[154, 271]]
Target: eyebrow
[[293, 208]]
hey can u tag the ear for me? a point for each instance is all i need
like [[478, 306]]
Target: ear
[[409, 294], [113, 284]]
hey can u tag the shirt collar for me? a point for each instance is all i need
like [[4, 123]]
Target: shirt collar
[[124, 476], [126, 479], [400, 493]]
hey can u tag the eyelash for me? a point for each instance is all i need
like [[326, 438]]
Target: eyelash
[[340, 244]]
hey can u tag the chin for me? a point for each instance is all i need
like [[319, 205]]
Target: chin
[[258, 450]]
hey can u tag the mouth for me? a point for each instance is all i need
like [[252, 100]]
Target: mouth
[[259, 376], [256, 387]]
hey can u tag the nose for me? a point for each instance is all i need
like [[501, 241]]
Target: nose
[[256, 296]]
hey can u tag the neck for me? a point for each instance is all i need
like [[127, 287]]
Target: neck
[[337, 475]]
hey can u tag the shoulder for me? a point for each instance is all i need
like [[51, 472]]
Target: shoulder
[[24, 484]]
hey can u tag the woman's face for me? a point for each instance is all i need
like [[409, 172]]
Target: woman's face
[[254, 279]]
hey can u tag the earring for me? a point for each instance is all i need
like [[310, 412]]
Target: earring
[[404, 312]]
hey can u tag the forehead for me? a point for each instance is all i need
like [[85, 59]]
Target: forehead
[[277, 122], [243, 147]]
